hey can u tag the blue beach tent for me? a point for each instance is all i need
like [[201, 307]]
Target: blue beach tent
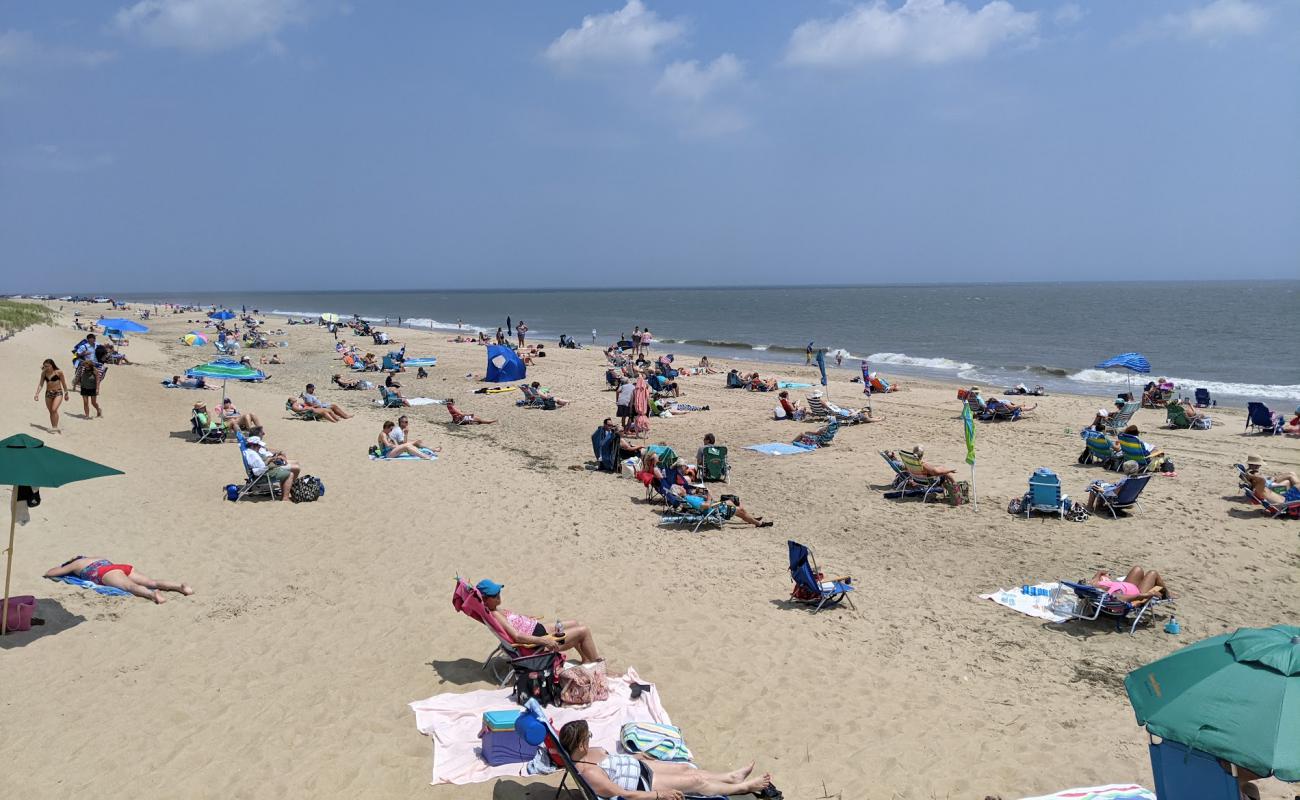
[[503, 366]]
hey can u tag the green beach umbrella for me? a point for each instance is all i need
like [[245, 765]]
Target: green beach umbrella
[[1234, 696], [26, 461]]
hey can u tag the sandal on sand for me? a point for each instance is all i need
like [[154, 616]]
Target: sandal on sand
[[770, 792], [767, 523]]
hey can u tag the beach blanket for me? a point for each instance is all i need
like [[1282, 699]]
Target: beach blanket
[[793, 385], [408, 456], [779, 449], [422, 401], [111, 591], [424, 361], [454, 720], [1030, 604], [1112, 791]]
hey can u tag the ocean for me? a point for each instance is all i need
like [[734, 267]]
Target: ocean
[[1233, 338]]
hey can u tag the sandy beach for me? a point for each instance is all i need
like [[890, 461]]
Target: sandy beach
[[289, 671]]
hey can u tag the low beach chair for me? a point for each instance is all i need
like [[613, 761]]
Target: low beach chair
[[1182, 771], [1045, 494], [810, 585], [604, 446], [206, 431], [1100, 449], [916, 477], [680, 513], [1177, 417], [388, 398], [821, 438], [1259, 416], [469, 601], [1126, 498], [303, 415], [996, 410], [530, 399], [816, 408], [1132, 449], [254, 485], [1121, 419], [1287, 508], [1089, 603], [714, 466], [1203, 398]]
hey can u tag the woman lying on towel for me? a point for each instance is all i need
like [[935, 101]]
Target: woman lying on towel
[[106, 572], [530, 632], [619, 774], [1138, 586]]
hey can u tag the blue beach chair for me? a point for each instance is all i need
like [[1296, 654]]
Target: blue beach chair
[[1089, 603], [1260, 417], [1100, 448], [254, 485], [810, 586], [1127, 496], [1181, 771], [1203, 399], [1045, 494], [389, 399]]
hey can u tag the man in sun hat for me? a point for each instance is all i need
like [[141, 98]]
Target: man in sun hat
[[278, 472], [1263, 487]]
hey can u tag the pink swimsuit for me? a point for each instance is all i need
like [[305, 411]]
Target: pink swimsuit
[[521, 623], [1119, 587]]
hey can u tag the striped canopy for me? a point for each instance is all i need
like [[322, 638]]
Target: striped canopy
[[226, 369], [1134, 361]]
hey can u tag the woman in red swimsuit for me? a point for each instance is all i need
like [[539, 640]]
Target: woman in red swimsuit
[[120, 576]]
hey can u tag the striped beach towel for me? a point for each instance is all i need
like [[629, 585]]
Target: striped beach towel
[[1113, 791], [658, 741]]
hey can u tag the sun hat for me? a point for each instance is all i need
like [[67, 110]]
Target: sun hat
[[489, 588], [254, 440], [1255, 461]]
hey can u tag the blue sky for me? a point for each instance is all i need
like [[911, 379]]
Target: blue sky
[[185, 144]]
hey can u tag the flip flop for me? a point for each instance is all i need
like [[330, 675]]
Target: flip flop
[[767, 523], [770, 792]]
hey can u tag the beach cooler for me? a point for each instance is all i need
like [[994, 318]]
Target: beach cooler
[[502, 744], [21, 611]]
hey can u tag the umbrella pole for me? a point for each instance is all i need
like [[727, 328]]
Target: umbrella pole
[[9, 558]]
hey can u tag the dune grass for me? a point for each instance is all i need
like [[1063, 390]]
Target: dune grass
[[16, 315]]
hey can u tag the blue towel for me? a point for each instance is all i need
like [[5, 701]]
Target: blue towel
[[408, 456], [111, 591], [779, 449], [792, 385], [420, 362]]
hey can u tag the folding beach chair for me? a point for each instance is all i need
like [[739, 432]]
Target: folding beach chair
[[1127, 496], [1089, 603], [1177, 417], [388, 398], [1100, 449], [1121, 419], [254, 485], [469, 601], [1260, 417], [817, 408], [679, 512], [1045, 494], [303, 415], [604, 446], [530, 399], [810, 585], [206, 431], [1203, 399], [1182, 771], [1287, 508], [1133, 449], [714, 466], [997, 410], [916, 477]]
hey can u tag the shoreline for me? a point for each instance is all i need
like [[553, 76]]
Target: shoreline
[[347, 598]]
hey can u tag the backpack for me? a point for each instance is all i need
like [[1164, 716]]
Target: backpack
[[536, 679], [306, 489]]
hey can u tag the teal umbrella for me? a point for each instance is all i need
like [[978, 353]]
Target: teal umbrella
[[26, 461], [226, 369], [123, 325], [1235, 696]]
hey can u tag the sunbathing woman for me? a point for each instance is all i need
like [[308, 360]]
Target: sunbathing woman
[[530, 632], [104, 572], [460, 418], [56, 391], [619, 774], [390, 449], [1138, 586], [354, 384]]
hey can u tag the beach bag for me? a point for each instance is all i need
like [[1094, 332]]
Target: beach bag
[[1167, 466], [1016, 505], [306, 489], [660, 742], [960, 494], [580, 686], [21, 611], [537, 679]]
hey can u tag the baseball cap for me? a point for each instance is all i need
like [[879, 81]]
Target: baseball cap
[[489, 588]]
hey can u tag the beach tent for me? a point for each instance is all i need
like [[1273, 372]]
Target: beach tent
[[26, 461], [503, 365], [222, 314]]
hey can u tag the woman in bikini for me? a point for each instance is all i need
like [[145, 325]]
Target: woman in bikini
[[56, 390], [530, 632], [391, 449], [1138, 586], [620, 774], [104, 572]]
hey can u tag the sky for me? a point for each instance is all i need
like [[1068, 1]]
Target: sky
[[176, 145]]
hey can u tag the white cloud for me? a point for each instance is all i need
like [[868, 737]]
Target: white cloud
[[633, 34], [689, 81], [921, 31], [208, 25], [1220, 19], [22, 49], [1068, 14]]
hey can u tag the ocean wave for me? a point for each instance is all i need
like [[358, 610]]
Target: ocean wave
[[1186, 385], [902, 359]]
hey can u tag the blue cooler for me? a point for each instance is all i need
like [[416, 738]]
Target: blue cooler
[[502, 744]]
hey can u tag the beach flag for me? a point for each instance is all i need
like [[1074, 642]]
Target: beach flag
[[821, 364]]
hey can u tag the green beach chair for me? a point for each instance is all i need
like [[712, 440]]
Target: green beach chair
[[714, 466]]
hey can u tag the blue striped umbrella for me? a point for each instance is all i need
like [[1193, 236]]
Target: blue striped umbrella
[[1134, 361]]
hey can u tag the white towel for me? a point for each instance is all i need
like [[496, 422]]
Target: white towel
[[1032, 605]]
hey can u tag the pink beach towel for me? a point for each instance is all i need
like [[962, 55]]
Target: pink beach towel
[[454, 720]]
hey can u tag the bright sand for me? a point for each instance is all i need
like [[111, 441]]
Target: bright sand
[[288, 673]]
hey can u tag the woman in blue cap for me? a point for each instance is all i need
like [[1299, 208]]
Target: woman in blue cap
[[527, 631]]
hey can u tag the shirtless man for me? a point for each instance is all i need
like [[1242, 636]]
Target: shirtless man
[[943, 473]]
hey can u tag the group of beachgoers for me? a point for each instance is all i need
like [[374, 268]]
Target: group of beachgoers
[[90, 363]]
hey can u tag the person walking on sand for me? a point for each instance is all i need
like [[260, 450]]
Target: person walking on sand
[[593, 335], [104, 572], [520, 330], [87, 380], [56, 391]]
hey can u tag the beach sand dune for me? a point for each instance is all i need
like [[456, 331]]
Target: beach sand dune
[[288, 673]]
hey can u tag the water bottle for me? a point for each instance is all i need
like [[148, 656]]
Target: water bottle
[[559, 629], [1172, 626]]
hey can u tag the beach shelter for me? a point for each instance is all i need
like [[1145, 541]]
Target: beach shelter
[[503, 365], [222, 314], [1235, 696], [123, 325], [26, 461]]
